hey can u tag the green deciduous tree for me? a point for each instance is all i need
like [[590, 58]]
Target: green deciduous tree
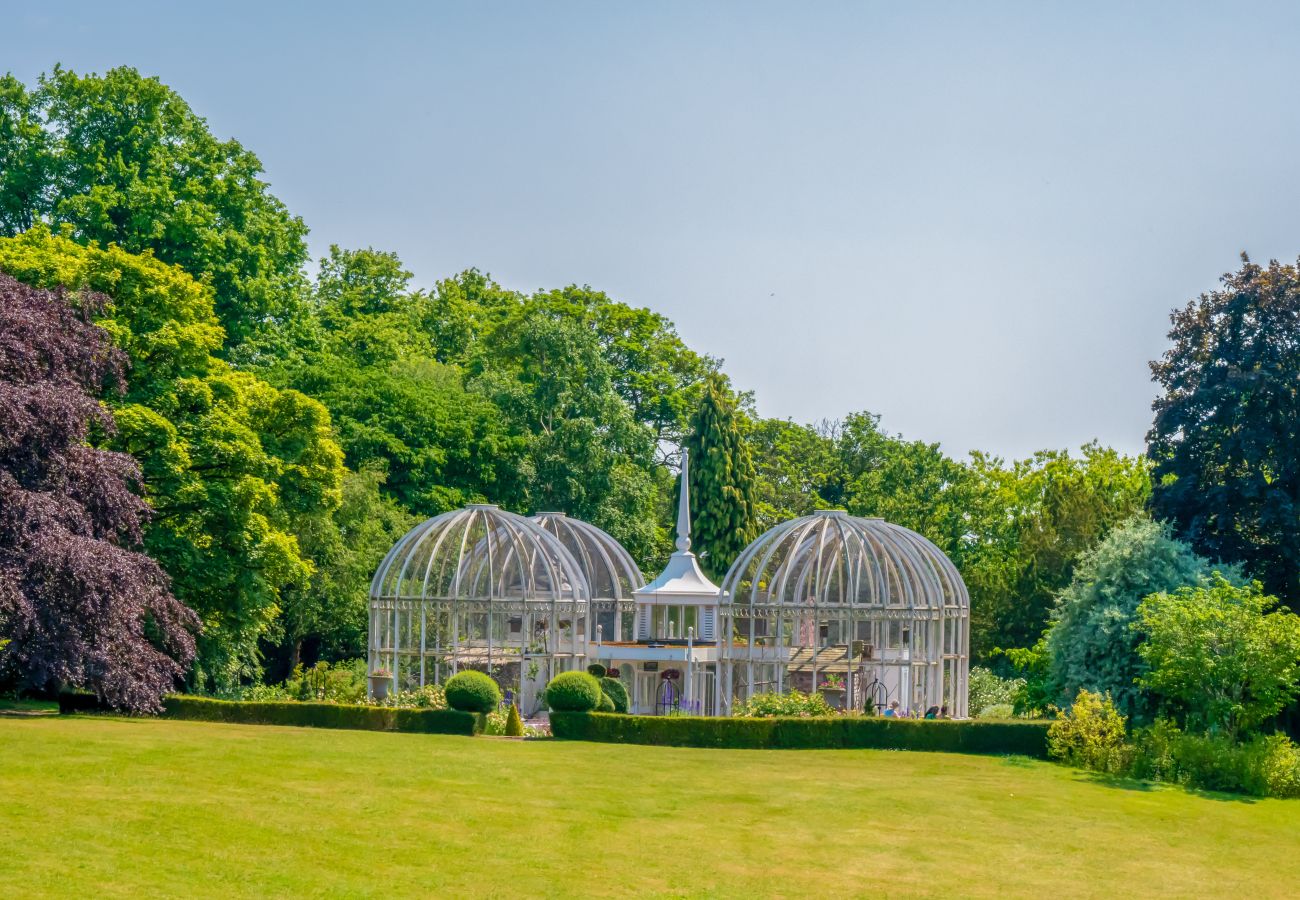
[[1220, 654], [722, 481], [233, 467], [1029, 524], [1225, 444], [1092, 644], [122, 158]]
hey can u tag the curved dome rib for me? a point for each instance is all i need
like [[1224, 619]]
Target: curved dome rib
[[610, 570]]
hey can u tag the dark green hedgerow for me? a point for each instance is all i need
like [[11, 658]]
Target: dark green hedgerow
[[1020, 738], [324, 715]]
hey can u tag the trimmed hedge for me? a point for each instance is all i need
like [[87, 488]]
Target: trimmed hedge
[[830, 732], [324, 715], [616, 692]]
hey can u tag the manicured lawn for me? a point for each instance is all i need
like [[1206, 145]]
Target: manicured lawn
[[96, 807]]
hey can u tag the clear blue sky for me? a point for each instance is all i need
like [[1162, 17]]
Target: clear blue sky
[[970, 218]]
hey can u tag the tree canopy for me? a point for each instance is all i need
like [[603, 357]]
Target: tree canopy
[[233, 467], [123, 158], [1220, 655], [1092, 643], [1225, 444], [79, 606], [722, 482]]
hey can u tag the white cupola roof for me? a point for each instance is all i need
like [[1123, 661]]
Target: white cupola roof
[[681, 581]]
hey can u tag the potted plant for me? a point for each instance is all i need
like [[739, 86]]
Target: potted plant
[[380, 681], [832, 689]]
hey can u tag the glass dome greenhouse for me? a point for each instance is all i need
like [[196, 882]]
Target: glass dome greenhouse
[[856, 607], [612, 575], [478, 588]]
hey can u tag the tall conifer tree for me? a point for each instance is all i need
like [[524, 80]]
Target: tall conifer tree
[[722, 482]]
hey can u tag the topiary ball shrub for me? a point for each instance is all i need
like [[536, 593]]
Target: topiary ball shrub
[[471, 691], [596, 670], [605, 704], [616, 692], [573, 692]]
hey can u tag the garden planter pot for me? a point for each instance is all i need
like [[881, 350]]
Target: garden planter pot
[[833, 696], [379, 685]]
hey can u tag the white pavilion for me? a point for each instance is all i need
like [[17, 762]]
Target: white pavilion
[[856, 608]]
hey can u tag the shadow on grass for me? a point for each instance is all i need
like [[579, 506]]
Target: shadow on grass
[[1123, 783]]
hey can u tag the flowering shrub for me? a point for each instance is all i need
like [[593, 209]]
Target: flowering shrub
[[988, 690], [791, 703], [1091, 735], [431, 696]]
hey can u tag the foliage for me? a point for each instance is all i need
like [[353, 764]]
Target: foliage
[[605, 704], [431, 696], [807, 732], [472, 691], [791, 703], [1029, 523], [234, 468], [398, 409], [331, 609], [343, 682], [616, 692], [1092, 644], [986, 690], [997, 711], [325, 715], [1091, 735], [514, 724], [573, 692], [1225, 442], [123, 159], [596, 670], [722, 482], [1220, 655], [1014, 531], [1036, 695], [78, 606]]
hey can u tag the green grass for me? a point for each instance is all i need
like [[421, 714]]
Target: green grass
[[102, 806]]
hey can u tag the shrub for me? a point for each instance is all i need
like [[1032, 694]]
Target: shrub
[[573, 692], [431, 696], [596, 670], [1091, 735], [605, 704], [997, 711], [616, 692], [323, 715], [987, 690], [514, 724], [791, 703], [472, 691], [825, 732]]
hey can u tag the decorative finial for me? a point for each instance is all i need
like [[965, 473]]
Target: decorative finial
[[684, 506]]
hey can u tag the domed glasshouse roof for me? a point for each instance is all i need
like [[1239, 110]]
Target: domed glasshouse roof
[[833, 559], [609, 569], [480, 552]]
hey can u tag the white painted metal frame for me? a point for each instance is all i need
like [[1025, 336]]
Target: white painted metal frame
[[875, 602], [481, 588]]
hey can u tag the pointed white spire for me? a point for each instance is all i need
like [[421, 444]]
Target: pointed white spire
[[684, 506]]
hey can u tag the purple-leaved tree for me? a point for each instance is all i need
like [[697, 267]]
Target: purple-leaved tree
[[78, 607]]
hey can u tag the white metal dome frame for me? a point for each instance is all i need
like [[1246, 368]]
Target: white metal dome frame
[[612, 575], [860, 601], [478, 588]]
